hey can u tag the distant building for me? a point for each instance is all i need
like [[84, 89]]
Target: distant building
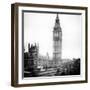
[[57, 42], [31, 57], [44, 61]]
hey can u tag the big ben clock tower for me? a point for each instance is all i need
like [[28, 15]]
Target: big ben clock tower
[[57, 42]]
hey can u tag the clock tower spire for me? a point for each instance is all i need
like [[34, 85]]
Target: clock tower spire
[[57, 41]]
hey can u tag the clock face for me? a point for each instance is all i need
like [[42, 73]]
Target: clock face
[[57, 36]]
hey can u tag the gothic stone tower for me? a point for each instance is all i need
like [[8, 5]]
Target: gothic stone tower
[[57, 42]]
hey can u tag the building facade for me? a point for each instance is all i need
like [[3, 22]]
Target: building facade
[[57, 42], [31, 57]]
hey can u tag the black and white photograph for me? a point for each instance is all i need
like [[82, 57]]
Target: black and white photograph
[[52, 44], [49, 44]]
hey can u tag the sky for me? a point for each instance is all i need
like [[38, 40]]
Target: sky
[[38, 28]]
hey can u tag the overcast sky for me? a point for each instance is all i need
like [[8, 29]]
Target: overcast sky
[[38, 28]]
